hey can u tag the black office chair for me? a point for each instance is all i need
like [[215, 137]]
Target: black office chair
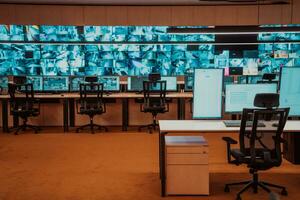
[[24, 106], [258, 149], [154, 101], [91, 103]]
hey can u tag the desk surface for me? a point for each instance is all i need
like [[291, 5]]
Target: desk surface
[[112, 95], [214, 126]]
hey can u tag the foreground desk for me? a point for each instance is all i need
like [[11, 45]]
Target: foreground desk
[[201, 126], [68, 101]]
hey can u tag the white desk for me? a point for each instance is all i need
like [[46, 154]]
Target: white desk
[[201, 126]]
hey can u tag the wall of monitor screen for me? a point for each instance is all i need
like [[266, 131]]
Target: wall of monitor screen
[[56, 58]]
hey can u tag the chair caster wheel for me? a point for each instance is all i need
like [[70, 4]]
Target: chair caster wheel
[[226, 189], [77, 131], [238, 197], [35, 132], [284, 192]]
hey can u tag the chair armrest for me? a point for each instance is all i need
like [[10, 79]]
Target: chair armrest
[[229, 140]]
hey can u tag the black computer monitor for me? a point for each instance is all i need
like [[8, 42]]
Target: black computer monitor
[[110, 83], [249, 79], [188, 83], [75, 82], [56, 83], [240, 96], [37, 82], [135, 83], [4, 82], [235, 70], [19, 79]]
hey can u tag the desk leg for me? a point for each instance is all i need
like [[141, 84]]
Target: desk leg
[[66, 113], [162, 163], [5, 115], [72, 112], [180, 109], [125, 114]]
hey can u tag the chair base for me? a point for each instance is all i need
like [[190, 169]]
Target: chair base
[[24, 126], [91, 126], [255, 184]]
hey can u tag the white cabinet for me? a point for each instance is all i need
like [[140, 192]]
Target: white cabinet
[[186, 165]]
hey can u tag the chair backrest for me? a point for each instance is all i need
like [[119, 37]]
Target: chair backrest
[[154, 93], [91, 93], [263, 142], [25, 99]]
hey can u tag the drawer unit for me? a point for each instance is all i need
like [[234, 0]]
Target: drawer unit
[[186, 165]]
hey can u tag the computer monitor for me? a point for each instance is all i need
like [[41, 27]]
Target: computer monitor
[[37, 82], [249, 79], [135, 83], [171, 82], [110, 83], [240, 96], [290, 89], [4, 82], [188, 83], [208, 88], [56, 83], [75, 82]]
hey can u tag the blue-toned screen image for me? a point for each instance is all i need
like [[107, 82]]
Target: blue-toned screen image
[[290, 90], [171, 82], [56, 83], [37, 82], [110, 83], [3, 82], [132, 51], [75, 82], [240, 96], [135, 83]]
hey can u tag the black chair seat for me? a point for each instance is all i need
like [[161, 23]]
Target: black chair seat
[[154, 108]]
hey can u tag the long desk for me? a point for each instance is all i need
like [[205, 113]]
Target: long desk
[[200, 126], [68, 101]]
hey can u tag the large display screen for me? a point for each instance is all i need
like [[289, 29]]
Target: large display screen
[[208, 88], [290, 89], [132, 51], [240, 96], [110, 83], [56, 83], [37, 82]]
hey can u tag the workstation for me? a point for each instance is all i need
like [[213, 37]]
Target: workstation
[[149, 99]]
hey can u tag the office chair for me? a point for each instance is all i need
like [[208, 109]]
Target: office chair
[[154, 101], [268, 78], [91, 103], [258, 149], [24, 106]]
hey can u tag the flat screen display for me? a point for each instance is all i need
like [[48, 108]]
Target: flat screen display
[[208, 87], [290, 89], [135, 83], [56, 83], [110, 83], [75, 82], [171, 82], [4, 82], [37, 82], [188, 83], [240, 96]]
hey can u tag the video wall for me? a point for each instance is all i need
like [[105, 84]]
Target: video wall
[[132, 50]]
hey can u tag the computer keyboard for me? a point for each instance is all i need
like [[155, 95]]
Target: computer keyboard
[[237, 123]]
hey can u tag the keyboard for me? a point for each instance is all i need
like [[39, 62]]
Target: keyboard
[[237, 123]]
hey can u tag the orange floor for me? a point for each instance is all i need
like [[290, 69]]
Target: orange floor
[[115, 165]]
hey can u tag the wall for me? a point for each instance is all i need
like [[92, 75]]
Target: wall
[[149, 15]]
